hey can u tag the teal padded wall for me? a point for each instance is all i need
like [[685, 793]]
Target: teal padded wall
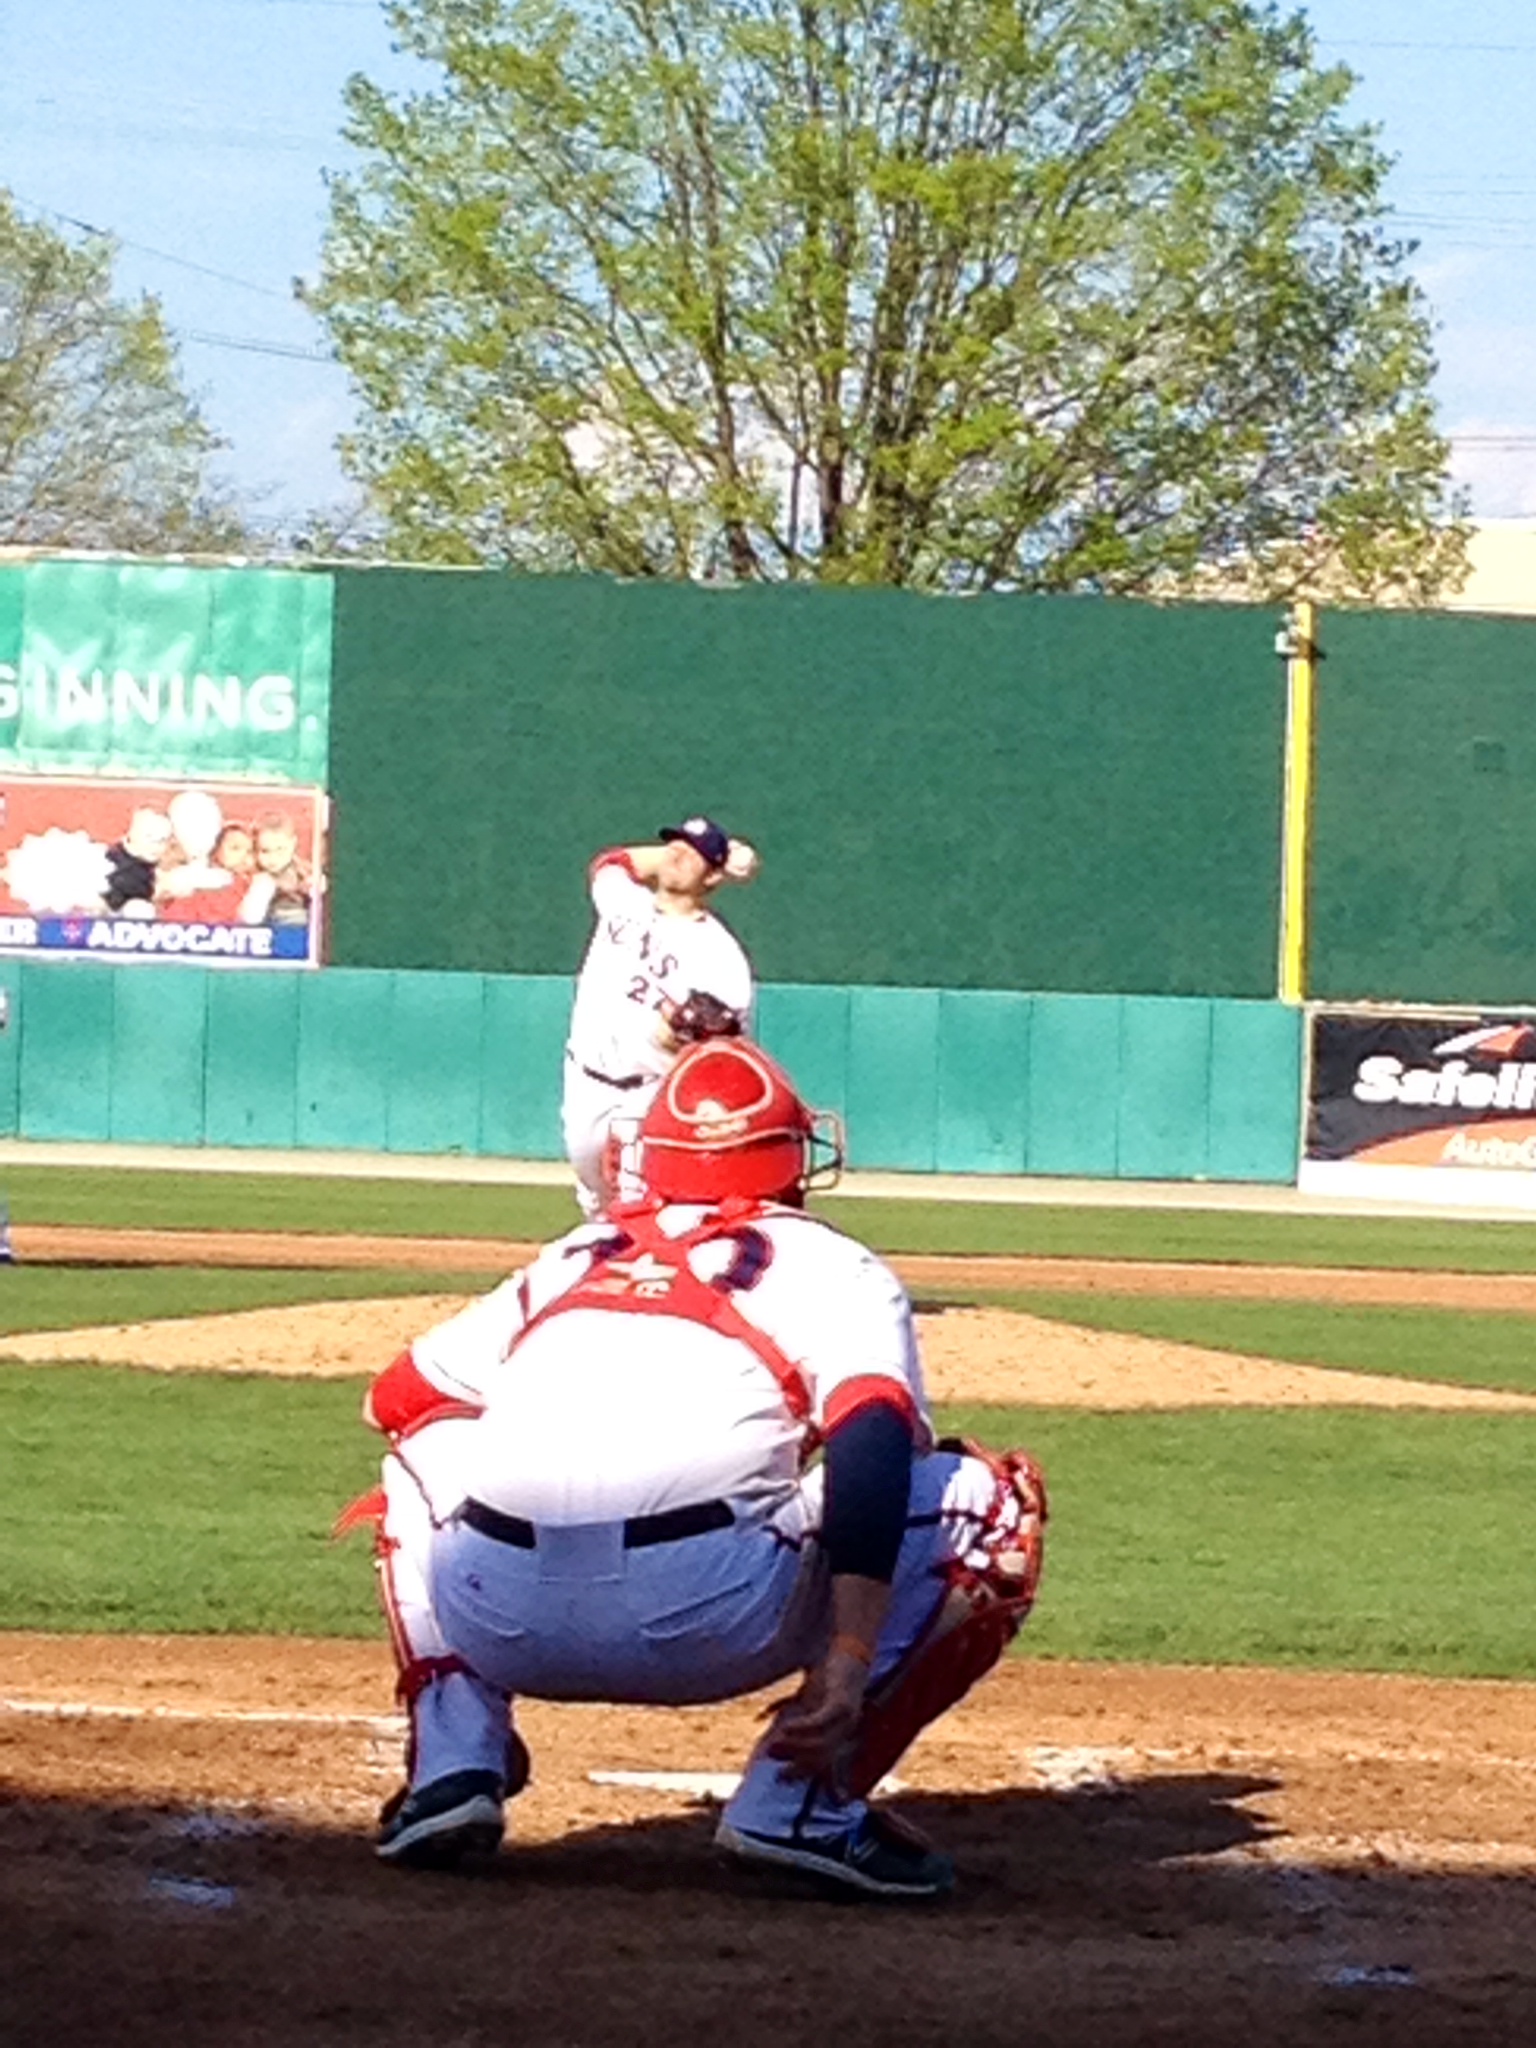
[[1423, 874], [982, 1121], [992, 792], [1075, 1069], [525, 1023], [63, 1015], [956, 1081], [1256, 1109], [434, 1056], [10, 1045], [343, 1068], [252, 1061], [159, 1058]]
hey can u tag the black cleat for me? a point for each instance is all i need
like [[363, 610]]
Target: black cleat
[[878, 1859], [441, 1824]]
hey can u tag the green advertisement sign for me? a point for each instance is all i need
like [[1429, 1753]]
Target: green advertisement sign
[[127, 668]]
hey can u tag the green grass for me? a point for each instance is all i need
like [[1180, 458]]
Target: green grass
[[142, 1199], [1463, 1348], [77, 1297], [1330, 1538], [170, 1200], [185, 1502], [1225, 1237], [175, 1502]]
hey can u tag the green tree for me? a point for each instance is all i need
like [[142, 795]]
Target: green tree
[[962, 294], [100, 447]]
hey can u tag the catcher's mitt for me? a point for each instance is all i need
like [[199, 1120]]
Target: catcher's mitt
[[700, 1015]]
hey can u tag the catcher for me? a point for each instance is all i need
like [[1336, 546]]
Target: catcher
[[597, 1488], [661, 971]]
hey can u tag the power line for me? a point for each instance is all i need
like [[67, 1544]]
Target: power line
[[184, 263], [259, 348], [1363, 43]]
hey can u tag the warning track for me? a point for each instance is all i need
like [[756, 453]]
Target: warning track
[[89, 1245]]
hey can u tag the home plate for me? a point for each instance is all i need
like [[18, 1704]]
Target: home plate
[[696, 1784], [710, 1785]]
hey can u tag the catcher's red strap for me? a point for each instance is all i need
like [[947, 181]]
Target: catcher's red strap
[[368, 1508], [660, 1282]]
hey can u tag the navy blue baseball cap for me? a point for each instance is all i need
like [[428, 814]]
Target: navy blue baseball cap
[[710, 841]]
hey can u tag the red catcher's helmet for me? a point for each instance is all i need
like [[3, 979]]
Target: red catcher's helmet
[[727, 1122]]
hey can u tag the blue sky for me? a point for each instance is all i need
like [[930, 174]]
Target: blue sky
[[196, 132]]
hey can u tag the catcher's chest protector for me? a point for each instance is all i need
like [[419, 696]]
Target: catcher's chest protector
[[647, 1273]]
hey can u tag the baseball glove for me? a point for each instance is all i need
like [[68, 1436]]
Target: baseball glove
[[700, 1015]]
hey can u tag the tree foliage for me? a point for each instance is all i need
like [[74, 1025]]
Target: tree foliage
[[961, 294], [100, 447]]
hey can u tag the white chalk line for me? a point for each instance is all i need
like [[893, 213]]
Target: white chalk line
[[88, 1710], [1068, 1765]]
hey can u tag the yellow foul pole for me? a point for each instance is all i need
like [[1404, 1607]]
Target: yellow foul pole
[[1301, 693]]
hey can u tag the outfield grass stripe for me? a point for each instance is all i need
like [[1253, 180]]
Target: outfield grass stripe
[[123, 1198], [68, 1298]]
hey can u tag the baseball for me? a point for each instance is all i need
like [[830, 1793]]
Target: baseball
[[742, 862]]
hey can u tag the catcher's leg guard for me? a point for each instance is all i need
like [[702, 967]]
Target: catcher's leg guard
[[456, 1720], [996, 1545]]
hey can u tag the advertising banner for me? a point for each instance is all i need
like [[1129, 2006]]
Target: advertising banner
[[164, 741], [1423, 1107], [124, 668], [220, 873]]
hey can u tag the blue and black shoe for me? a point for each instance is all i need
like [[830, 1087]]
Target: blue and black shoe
[[879, 1858], [442, 1824]]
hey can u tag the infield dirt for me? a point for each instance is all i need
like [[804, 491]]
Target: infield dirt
[[1147, 1855], [1180, 1856], [969, 1354]]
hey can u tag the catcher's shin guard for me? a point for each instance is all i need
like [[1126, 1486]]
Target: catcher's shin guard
[[989, 1591]]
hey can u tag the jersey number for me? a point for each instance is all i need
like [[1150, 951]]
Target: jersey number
[[644, 989], [754, 1255]]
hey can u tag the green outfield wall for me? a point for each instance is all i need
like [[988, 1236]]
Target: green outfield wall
[[960, 1081], [998, 792], [960, 803], [1423, 856]]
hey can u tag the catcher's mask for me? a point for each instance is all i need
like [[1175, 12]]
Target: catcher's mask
[[727, 1121]]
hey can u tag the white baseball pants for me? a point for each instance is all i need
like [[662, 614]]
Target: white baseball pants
[[591, 1113], [582, 1617]]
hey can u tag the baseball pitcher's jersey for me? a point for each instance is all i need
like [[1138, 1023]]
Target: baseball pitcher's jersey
[[598, 1414], [638, 955]]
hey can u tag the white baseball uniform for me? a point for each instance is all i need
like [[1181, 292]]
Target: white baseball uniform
[[638, 957], [616, 1504]]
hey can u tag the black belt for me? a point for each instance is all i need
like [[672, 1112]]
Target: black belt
[[671, 1526], [615, 1081]]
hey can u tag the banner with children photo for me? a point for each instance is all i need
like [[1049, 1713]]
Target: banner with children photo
[[221, 873]]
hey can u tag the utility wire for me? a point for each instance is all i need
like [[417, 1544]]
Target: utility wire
[[1364, 43], [291, 350], [185, 263]]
